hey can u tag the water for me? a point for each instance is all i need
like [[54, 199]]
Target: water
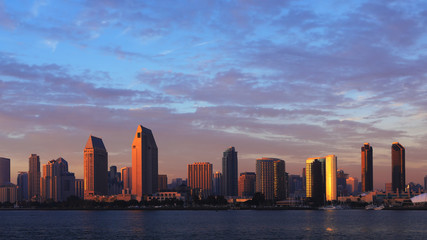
[[243, 224]]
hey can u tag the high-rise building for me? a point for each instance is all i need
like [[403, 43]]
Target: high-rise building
[[425, 184], [176, 183], [321, 182], [79, 188], [144, 163], [295, 186], [200, 177], [342, 182], [398, 167], [22, 183], [8, 193], [270, 178], [247, 182], [367, 168], [217, 182], [4, 170], [127, 179], [352, 185], [95, 167], [115, 184], [163, 183], [34, 176], [57, 183], [229, 172]]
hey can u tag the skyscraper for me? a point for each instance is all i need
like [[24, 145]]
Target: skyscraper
[[115, 184], [57, 183], [95, 167], [200, 177], [163, 182], [247, 182], [352, 185], [22, 182], [367, 168], [321, 179], [127, 179], [425, 184], [34, 176], [229, 172], [4, 170], [398, 167], [79, 188], [144, 163], [270, 178], [217, 182]]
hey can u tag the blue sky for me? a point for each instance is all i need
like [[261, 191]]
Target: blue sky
[[287, 79]]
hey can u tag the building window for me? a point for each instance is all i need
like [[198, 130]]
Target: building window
[[139, 135]]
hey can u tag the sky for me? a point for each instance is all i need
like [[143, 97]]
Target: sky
[[284, 79]]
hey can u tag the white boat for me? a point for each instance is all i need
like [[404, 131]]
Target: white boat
[[370, 207], [379, 207]]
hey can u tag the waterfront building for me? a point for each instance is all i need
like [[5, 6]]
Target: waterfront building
[[321, 179], [163, 183], [247, 182], [229, 172], [4, 170], [398, 167], [200, 178], [127, 179], [8, 193], [388, 188], [270, 178], [217, 182], [144, 163], [295, 186], [22, 183], [57, 183], [425, 184], [115, 184], [352, 185], [341, 182], [367, 168], [95, 167], [34, 176], [162, 196], [79, 188]]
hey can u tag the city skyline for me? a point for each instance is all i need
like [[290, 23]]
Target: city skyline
[[281, 79]]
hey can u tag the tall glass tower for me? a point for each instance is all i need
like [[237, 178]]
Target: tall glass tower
[[229, 173], [397, 167], [367, 168]]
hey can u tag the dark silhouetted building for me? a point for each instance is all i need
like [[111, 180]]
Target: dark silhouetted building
[[163, 183], [95, 167], [34, 176], [79, 188], [247, 182], [425, 183], [341, 182], [367, 168], [270, 178], [229, 172], [22, 183], [144, 163], [398, 167], [217, 182], [295, 186], [4, 170], [115, 184]]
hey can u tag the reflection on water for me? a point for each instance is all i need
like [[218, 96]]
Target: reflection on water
[[355, 224]]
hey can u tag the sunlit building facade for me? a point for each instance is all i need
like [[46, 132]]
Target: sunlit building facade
[[367, 168], [144, 163], [247, 182], [95, 167], [127, 179], [34, 176], [229, 172], [352, 185], [398, 179], [200, 177], [57, 183], [8, 193], [270, 178], [321, 179]]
